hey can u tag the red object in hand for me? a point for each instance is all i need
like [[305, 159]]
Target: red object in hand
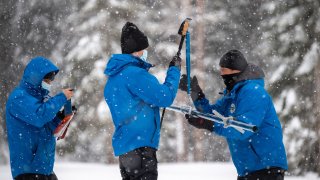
[[62, 128]]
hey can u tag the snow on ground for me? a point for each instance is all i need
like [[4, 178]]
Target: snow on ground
[[185, 171]]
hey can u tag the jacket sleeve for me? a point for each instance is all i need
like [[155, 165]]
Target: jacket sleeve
[[52, 125], [147, 87], [35, 112], [252, 106]]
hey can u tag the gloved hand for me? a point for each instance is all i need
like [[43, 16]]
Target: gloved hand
[[196, 91], [176, 61], [61, 114], [200, 123], [74, 109]]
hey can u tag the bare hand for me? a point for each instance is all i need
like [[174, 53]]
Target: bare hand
[[68, 93]]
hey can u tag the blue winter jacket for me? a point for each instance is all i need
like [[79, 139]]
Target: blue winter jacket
[[249, 102], [31, 120], [134, 97]]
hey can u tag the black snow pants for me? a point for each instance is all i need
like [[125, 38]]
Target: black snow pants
[[274, 173], [36, 177], [139, 164]]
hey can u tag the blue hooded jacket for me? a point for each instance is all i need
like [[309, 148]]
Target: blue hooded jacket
[[249, 102], [31, 119], [134, 97]]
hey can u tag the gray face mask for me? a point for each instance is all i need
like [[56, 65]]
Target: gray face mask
[[144, 56]]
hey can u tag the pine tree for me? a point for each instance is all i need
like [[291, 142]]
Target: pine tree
[[290, 45]]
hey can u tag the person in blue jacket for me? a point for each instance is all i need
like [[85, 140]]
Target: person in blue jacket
[[134, 97], [259, 155], [31, 117]]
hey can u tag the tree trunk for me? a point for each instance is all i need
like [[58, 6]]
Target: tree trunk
[[199, 64], [187, 130], [317, 113], [7, 74]]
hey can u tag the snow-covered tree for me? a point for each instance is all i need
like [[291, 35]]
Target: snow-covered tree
[[290, 47]]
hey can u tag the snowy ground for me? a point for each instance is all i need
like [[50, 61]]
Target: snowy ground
[[186, 171]]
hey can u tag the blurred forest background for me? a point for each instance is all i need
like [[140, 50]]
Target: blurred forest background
[[282, 36]]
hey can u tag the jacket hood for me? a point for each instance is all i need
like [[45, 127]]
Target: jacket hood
[[118, 62], [251, 72], [37, 69]]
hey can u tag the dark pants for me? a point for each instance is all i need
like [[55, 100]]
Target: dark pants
[[139, 164], [274, 173], [36, 177]]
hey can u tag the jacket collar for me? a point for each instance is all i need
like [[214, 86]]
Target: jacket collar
[[34, 90], [240, 84], [118, 62]]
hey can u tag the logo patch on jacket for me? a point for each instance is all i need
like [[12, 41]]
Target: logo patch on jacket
[[232, 108]]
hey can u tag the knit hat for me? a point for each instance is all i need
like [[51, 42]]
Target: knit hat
[[234, 60], [132, 39]]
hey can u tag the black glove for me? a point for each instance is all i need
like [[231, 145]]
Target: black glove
[[176, 61], [196, 91], [74, 109], [200, 123], [61, 114]]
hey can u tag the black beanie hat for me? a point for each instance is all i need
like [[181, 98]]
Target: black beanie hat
[[132, 39], [233, 59]]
